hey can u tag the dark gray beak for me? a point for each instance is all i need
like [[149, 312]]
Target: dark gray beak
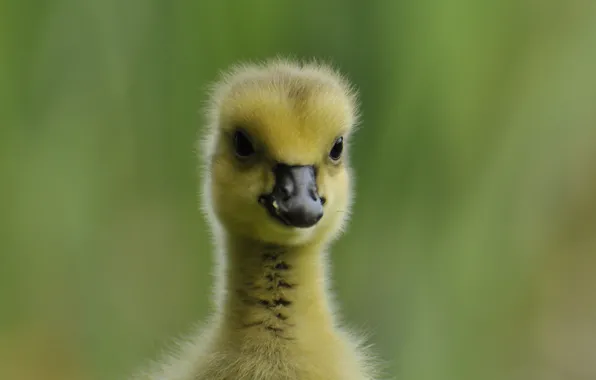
[[294, 200]]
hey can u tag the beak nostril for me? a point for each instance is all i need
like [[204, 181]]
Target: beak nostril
[[286, 196], [286, 192]]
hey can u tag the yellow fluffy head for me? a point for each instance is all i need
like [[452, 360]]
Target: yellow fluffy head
[[278, 114]]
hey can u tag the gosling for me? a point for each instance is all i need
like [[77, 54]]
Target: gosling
[[277, 190]]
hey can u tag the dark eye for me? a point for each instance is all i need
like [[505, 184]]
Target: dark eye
[[242, 145], [338, 147]]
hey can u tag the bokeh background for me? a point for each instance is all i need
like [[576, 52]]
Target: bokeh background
[[472, 250]]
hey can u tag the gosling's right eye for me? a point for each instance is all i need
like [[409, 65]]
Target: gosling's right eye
[[242, 145]]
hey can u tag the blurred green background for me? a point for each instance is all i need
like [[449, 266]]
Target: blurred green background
[[472, 250]]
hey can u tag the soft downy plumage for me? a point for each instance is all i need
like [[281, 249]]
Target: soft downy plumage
[[277, 190]]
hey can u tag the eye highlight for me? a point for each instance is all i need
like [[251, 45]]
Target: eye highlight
[[338, 147], [243, 147]]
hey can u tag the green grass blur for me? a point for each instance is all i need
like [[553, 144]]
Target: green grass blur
[[472, 250]]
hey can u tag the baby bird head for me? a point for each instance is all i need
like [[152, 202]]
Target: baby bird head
[[276, 152]]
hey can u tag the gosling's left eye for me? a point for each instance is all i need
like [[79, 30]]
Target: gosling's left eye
[[338, 147]]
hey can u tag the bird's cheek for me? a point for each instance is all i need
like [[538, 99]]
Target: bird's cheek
[[327, 189]]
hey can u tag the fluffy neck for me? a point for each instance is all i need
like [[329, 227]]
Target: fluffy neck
[[273, 293]]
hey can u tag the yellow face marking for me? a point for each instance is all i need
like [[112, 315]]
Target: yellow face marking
[[294, 120]]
